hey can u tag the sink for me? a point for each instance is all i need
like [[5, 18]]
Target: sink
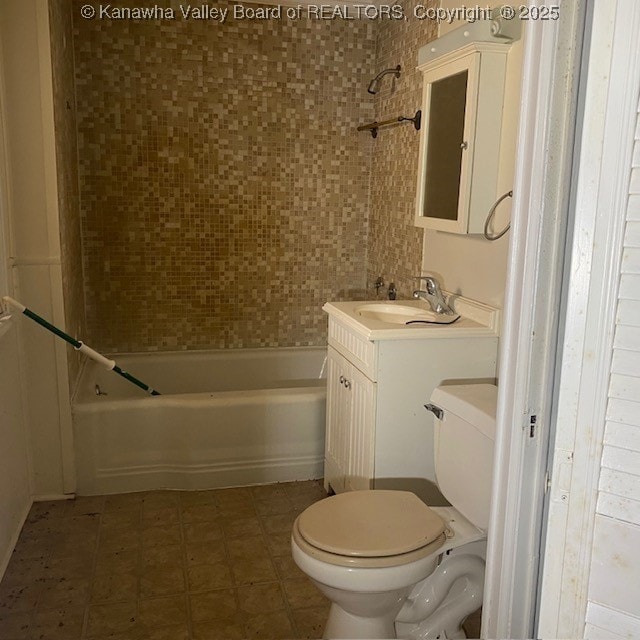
[[401, 313], [387, 319]]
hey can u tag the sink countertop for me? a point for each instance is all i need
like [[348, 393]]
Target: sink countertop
[[476, 319]]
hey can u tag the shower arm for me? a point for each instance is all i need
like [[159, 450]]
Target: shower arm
[[373, 85]]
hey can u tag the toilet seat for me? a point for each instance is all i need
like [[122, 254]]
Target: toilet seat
[[375, 528]]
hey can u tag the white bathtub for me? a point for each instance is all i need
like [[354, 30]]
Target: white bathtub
[[225, 418]]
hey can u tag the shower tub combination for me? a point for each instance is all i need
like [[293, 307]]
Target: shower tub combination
[[225, 418]]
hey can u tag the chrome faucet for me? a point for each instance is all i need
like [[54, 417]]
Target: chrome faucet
[[433, 295]]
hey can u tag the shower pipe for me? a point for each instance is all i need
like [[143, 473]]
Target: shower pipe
[[78, 345]]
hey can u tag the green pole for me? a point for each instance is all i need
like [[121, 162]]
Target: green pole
[[78, 345]]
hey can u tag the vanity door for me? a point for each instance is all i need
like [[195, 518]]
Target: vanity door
[[337, 425], [350, 427], [362, 422]]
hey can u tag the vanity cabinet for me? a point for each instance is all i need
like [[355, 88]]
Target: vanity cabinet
[[462, 105], [378, 433]]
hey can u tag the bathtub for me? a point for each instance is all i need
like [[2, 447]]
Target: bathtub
[[225, 418]]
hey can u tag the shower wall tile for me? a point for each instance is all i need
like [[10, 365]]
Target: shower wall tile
[[223, 186], [61, 29], [394, 244]]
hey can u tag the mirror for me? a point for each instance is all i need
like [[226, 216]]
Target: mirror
[[445, 135]]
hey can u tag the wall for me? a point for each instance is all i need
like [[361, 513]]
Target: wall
[[34, 242], [398, 250], [471, 265], [614, 585], [15, 477], [15, 486], [64, 111], [223, 185], [394, 248]]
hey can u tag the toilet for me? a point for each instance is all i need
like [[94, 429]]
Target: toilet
[[393, 567]]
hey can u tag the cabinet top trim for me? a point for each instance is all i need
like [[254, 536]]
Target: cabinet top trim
[[483, 35], [427, 64]]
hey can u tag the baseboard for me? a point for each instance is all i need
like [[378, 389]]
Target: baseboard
[[4, 562], [54, 496], [200, 477]]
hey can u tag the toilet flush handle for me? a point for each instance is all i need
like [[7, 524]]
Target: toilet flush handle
[[437, 411]]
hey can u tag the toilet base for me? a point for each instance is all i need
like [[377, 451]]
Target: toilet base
[[342, 625]]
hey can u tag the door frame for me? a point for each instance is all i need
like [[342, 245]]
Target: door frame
[[532, 319], [560, 315]]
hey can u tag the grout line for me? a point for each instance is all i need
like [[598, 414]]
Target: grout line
[[47, 558], [139, 563], [288, 609], [185, 571], [92, 574], [236, 587]]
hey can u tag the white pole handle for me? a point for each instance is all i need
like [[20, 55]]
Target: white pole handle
[[94, 355], [14, 303]]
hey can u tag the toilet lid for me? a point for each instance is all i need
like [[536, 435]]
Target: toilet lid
[[370, 523]]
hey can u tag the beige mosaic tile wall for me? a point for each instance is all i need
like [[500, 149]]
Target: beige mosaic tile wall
[[224, 189], [61, 29], [394, 244]]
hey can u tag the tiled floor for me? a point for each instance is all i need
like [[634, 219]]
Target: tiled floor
[[163, 565]]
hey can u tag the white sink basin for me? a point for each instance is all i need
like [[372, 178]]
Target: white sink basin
[[413, 319], [401, 314]]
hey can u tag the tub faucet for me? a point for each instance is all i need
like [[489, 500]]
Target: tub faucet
[[433, 295]]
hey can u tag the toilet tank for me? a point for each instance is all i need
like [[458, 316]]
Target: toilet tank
[[463, 447]]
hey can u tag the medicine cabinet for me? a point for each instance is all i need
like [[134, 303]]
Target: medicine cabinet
[[462, 108]]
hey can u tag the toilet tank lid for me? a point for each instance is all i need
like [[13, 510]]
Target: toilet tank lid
[[473, 403]]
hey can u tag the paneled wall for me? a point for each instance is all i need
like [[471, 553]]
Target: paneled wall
[[614, 589], [33, 214], [223, 186]]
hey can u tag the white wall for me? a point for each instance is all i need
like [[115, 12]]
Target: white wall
[[34, 243], [613, 609], [15, 489], [15, 476], [470, 264]]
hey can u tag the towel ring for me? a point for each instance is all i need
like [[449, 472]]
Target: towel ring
[[492, 211]]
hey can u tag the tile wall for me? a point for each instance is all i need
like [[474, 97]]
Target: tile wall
[[394, 248], [224, 189]]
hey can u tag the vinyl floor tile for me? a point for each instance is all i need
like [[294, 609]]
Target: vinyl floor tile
[[163, 565]]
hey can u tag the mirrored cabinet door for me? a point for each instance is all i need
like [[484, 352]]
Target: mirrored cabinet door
[[445, 145], [460, 139]]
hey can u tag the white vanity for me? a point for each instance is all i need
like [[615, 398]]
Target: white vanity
[[381, 372]]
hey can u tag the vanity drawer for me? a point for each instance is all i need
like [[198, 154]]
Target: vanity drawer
[[355, 348]]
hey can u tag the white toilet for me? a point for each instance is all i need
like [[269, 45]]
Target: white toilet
[[393, 567]]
